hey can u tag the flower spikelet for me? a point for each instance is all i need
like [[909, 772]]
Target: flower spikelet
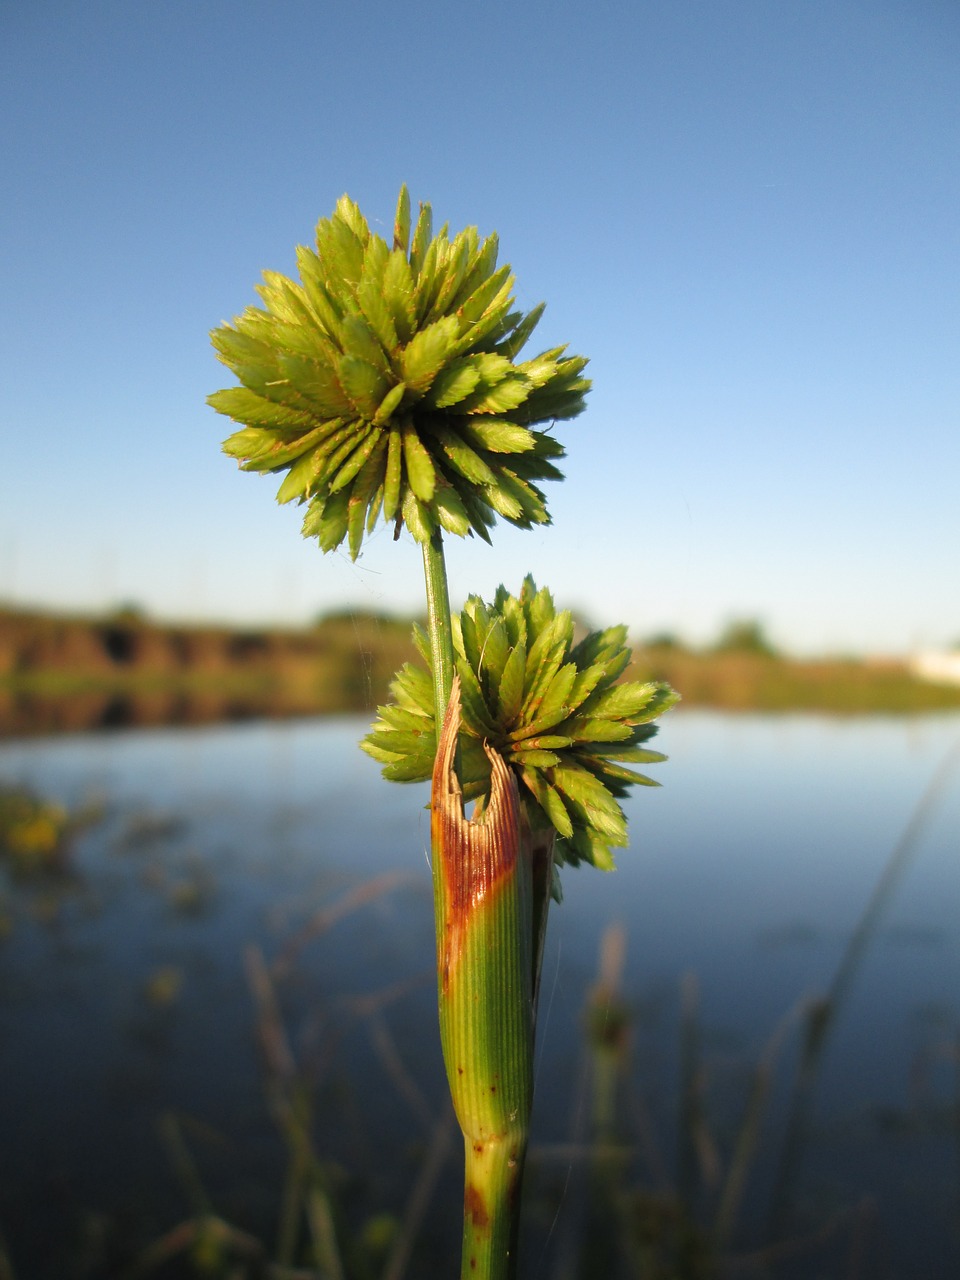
[[385, 382], [553, 708]]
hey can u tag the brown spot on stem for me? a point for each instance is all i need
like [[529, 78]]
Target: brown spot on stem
[[477, 854], [475, 1209]]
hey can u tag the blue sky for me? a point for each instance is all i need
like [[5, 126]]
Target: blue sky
[[745, 213]]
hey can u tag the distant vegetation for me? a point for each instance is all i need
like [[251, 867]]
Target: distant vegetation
[[60, 673], [743, 670]]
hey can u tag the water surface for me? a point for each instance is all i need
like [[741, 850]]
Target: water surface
[[124, 995]]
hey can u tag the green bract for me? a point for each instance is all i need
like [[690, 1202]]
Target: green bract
[[384, 382], [552, 708]]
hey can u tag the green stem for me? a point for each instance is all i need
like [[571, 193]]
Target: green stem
[[484, 986], [438, 623], [493, 1171]]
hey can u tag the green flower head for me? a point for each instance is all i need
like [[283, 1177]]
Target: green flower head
[[385, 382], [552, 708]]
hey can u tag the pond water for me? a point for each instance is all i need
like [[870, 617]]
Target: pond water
[[136, 1090]]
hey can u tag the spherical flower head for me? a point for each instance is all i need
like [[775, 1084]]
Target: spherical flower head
[[385, 383], [551, 707]]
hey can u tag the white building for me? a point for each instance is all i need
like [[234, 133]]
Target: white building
[[937, 667]]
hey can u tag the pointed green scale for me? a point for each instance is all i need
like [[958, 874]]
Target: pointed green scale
[[348, 211], [546, 742], [429, 278], [280, 454], [489, 295], [401, 221], [490, 327], [364, 385], [482, 518], [376, 745], [425, 355], [376, 254], [496, 650], [313, 519], [480, 269], [408, 770], [328, 438], [333, 524], [461, 252], [328, 312], [357, 460], [498, 436], [421, 474], [508, 393], [298, 479], [634, 754], [416, 516], [530, 468], [599, 646], [503, 503], [624, 701], [529, 498], [468, 631], [421, 642], [398, 294], [530, 758], [398, 718], [464, 460], [546, 446], [548, 650], [550, 802], [375, 507], [413, 690], [389, 404], [454, 382], [318, 383], [363, 493], [586, 681], [392, 475], [512, 345], [340, 252], [360, 341], [598, 730], [235, 347], [580, 787], [542, 368], [421, 238], [510, 689], [450, 510], [337, 450], [614, 772], [405, 742], [476, 715], [248, 443], [554, 702], [372, 302], [285, 300]]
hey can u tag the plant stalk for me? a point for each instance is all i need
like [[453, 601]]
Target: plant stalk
[[491, 1218], [438, 623], [484, 990], [491, 884]]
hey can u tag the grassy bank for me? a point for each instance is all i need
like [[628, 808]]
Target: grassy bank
[[745, 681], [62, 674]]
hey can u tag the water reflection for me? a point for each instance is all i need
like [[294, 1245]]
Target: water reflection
[[246, 930]]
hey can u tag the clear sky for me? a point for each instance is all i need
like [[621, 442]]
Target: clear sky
[[746, 213]]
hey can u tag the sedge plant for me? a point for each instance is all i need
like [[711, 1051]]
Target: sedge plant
[[387, 384]]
